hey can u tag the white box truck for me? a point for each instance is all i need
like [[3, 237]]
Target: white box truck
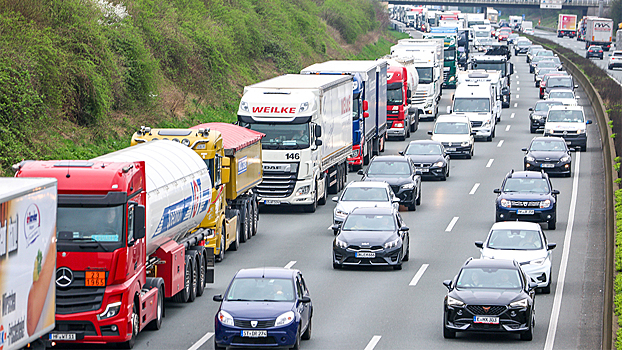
[[429, 61], [598, 31], [307, 120], [566, 25], [27, 260]]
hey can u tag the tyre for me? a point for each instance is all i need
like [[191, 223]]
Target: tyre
[[307, 334], [407, 131], [200, 266], [236, 244], [414, 127], [183, 295], [610, 67], [337, 266], [135, 320], [583, 148], [419, 197], [335, 187], [296, 345], [448, 333], [552, 224], [310, 208], [489, 138], [412, 207], [157, 322], [244, 220], [221, 254], [547, 288], [532, 129], [397, 267], [255, 207], [528, 334], [194, 280], [407, 255], [321, 200], [218, 347]]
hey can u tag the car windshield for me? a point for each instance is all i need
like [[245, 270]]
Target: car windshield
[[546, 64], [101, 224], [543, 71], [488, 278], [471, 105], [559, 82], [283, 136], [541, 145], [561, 94], [595, 48], [523, 43], [534, 51], [365, 194], [545, 53], [526, 185], [451, 128], [565, 116], [388, 168], [395, 96], [544, 106], [423, 149], [261, 289], [369, 222], [426, 75], [515, 240]]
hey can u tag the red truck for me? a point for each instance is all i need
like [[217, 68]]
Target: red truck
[[398, 101], [127, 238]]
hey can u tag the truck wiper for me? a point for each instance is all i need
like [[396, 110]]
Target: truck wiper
[[89, 240]]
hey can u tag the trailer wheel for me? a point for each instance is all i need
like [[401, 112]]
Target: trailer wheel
[[193, 275], [201, 262], [243, 222], [183, 295], [255, 216]]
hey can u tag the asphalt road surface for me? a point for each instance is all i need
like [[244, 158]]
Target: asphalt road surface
[[379, 308]]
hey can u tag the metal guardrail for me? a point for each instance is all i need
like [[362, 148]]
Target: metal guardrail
[[609, 154], [517, 2]]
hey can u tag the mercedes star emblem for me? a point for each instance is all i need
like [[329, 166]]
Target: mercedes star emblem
[[64, 277]]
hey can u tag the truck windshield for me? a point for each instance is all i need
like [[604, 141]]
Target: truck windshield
[[450, 54], [481, 34], [90, 224], [471, 105], [395, 96], [426, 75], [500, 66], [283, 136]]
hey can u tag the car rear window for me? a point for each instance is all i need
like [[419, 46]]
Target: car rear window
[[365, 194]]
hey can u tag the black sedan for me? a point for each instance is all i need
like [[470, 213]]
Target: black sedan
[[537, 115], [490, 295], [550, 154], [400, 173], [594, 51], [371, 237], [429, 157]]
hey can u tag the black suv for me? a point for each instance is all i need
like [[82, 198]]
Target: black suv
[[490, 295], [527, 196], [400, 173]]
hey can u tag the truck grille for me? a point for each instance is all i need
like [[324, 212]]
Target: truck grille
[[77, 297], [419, 97], [476, 124], [445, 76], [278, 184]]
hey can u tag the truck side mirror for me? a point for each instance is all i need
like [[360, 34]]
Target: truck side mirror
[[408, 100], [318, 131], [318, 142], [511, 68], [409, 93], [225, 175], [139, 222], [365, 105]]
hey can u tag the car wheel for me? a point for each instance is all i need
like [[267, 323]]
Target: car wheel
[[397, 267], [609, 67], [406, 256], [532, 129], [307, 334], [583, 148], [297, 343], [552, 224], [547, 289], [412, 207], [528, 334], [337, 266], [601, 58], [419, 197], [448, 333], [445, 174], [218, 347]]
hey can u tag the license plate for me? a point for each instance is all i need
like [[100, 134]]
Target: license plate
[[271, 202], [546, 165], [525, 211], [486, 319], [450, 149], [62, 336], [365, 255], [423, 170], [95, 279], [255, 334]]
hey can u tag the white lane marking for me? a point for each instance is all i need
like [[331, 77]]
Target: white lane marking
[[474, 188], [372, 343], [201, 341], [517, 96], [517, 82], [559, 288], [489, 163], [290, 264], [517, 89], [516, 105], [507, 128], [512, 116], [500, 143], [418, 275], [451, 224]]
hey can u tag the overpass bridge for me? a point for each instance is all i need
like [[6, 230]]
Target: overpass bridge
[[589, 7]]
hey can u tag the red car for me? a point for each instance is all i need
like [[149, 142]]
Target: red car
[[504, 33]]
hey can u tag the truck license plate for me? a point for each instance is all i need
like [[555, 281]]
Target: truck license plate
[[271, 202], [62, 336], [365, 255], [486, 319], [254, 334], [525, 211], [95, 279]]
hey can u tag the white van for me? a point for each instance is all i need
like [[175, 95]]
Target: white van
[[455, 133], [492, 77], [569, 123], [478, 102]]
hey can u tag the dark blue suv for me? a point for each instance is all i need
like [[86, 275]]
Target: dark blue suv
[[264, 307], [527, 196]]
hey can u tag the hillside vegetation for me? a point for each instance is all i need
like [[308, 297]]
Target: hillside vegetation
[[77, 77]]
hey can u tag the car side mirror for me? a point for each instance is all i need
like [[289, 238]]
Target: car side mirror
[[408, 100], [404, 228], [479, 244], [318, 131], [318, 142], [496, 190], [532, 285], [589, 121], [217, 297], [430, 132], [576, 86], [555, 192], [447, 283], [524, 149], [335, 227], [530, 109], [401, 153], [360, 172], [305, 299], [335, 199], [551, 246]]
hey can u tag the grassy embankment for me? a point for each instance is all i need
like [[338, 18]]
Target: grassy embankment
[[78, 77]]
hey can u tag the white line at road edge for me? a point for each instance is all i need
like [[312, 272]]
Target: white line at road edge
[[201, 341], [372, 343], [517, 89], [515, 104], [451, 224], [474, 188], [507, 128], [290, 264], [418, 275], [500, 143], [559, 289], [512, 115], [489, 163]]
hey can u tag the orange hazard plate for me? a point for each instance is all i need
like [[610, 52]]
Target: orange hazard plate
[[95, 279]]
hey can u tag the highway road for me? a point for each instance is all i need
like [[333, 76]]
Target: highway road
[[379, 308]]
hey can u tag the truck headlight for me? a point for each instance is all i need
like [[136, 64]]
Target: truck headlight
[[505, 203], [486, 123], [111, 311], [355, 153], [244, 106], [303, 190], [545, 203], [303, 107], [225, 318]]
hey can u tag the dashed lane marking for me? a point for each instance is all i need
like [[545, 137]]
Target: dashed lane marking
[[489, 163], [474, 188], [418, 275], [451, 224]]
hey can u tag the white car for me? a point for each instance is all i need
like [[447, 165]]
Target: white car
[[568, 122], [524, 242], [455, 133], [361, 194], [565, 96], [615, 60]]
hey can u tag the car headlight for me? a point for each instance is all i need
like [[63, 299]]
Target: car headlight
[[505, 203], [530, 158], [537, 261], [285, 318], [303, 190], [303, 107], [341, 244], [437, 164], [523, 303], [454, 302], [409, 186], [340, 213], [545, 203], [111, 311], [465, 143], [225, 318], [581, 131], [564, 159], [392, 244]]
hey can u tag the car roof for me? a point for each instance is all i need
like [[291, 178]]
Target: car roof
[[380, 184], [448, 118], [266, 272], [425, 142], [490, 263], [557, 89], [516, 225], [565, 108], [473, 90], [526, 175], [373, 210], [397, 158], [548, 138]]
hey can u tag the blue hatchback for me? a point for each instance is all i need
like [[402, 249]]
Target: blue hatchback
[[264, 307]]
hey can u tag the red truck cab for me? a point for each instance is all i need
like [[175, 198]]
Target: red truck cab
[[397, 102]]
